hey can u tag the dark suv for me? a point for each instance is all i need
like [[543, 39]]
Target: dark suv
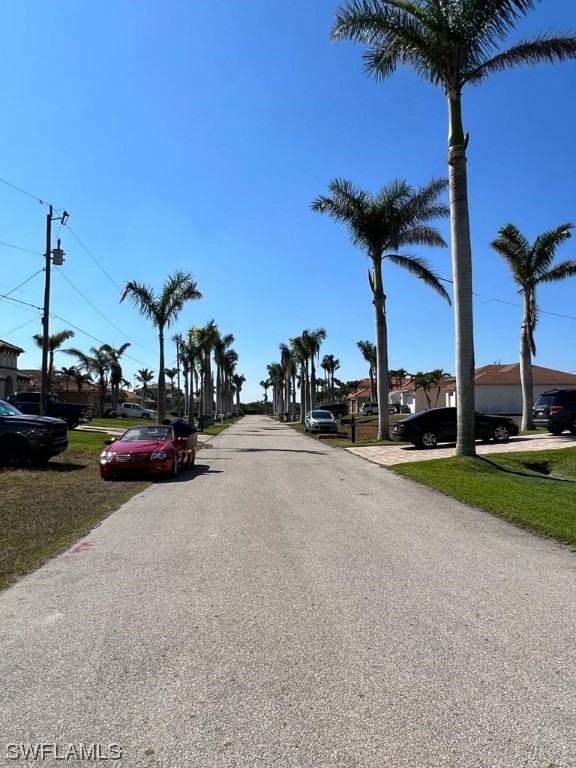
[[337, 409], [556, 410]]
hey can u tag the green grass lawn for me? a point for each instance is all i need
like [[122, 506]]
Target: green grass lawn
[[535, 489]]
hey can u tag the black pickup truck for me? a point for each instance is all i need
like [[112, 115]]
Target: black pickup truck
[[72, 413], [26, 439]]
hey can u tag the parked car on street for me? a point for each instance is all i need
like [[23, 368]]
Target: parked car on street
[[426, 429], [556, 410], [131, 411], [28, 439], [152, 449], [338, 409], [72, 413], [320, 421], [371, 409]]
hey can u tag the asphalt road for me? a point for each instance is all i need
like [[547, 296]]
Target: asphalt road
[[290, 604]]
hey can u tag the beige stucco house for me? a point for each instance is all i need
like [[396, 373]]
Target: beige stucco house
[[9, 380], [497, 387]]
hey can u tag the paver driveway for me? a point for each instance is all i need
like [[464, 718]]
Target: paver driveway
[[387, 455], [289, 605]]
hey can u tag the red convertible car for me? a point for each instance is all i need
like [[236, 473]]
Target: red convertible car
[[153, 449]]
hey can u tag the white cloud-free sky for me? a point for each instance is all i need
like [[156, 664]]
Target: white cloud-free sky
[[191, 135]]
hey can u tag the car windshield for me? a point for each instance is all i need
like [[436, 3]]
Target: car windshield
[[147, 433], [8, 410], [322, 415]]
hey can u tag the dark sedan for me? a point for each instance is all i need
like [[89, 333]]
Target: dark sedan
[[426, 429]]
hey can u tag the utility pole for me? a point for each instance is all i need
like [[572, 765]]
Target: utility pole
[[58, 255]]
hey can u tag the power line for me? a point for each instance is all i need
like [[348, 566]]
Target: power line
[[18, 248], [120, 330], [93, 258], [7, 333], [5, 295], [28, 194], [510, 303]]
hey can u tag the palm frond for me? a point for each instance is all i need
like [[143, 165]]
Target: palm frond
[[142, 297], [560, 271], [539, 50], [420, 268]]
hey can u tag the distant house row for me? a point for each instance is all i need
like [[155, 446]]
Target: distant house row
[[496, 390]]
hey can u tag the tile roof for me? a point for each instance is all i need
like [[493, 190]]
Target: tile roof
[[510, 374]]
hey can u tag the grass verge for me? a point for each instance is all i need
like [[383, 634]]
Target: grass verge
[[45, 510], [535, 489]]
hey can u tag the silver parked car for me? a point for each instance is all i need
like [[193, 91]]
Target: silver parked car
[[320, 421]]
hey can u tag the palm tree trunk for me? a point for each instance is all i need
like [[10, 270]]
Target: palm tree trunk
[[161, 380], [462, 276], [526, 368], [382, 386]]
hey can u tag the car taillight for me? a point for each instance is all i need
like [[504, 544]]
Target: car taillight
[[556, 408]]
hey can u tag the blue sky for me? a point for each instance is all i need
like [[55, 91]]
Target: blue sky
[[193, 136]]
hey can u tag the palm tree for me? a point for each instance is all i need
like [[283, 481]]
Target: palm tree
[[116, 374], [265, 384], [312, 342], [330, 364], [67, 373], [531, 264], [162, 310], [424, 382], [368, 350], [206, 339], [450, 45], [55, 341], [301, 355], [238, 381], [96, 362], [170, 374], [395, 217], [145, 377]]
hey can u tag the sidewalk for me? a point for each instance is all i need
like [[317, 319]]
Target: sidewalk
[[387, 455]]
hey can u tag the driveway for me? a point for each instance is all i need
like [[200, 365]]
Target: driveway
[[387, 455], [289, 605]]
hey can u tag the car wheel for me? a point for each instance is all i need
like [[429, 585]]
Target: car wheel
[[556, 431], [146, 416], [429, 440], [369, 413], [572, 427], [174, 468], [501, 435], [391, 411]]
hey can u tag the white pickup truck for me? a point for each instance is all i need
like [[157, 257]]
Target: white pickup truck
[[132, 411]]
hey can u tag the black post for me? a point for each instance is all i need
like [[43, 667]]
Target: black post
[[353, 428]]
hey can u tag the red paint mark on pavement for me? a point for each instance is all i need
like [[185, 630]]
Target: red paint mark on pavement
[[83, 545]]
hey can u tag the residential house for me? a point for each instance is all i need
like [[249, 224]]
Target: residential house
[[497, 387], [10, 379]]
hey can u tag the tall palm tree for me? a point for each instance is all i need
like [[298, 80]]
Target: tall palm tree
[[368, 350], [170, 374], [532, 264], [162, 310], [206, 338], [238, 382], [381, 225], [145, 376], [312, 342], [116, 374], [450, 45], [330, 364], [55, 341], [265, 384], [97, 362], [276, 374], [301, 356]]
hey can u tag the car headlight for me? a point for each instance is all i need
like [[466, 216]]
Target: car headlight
[[159, 455], [106, 456]]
